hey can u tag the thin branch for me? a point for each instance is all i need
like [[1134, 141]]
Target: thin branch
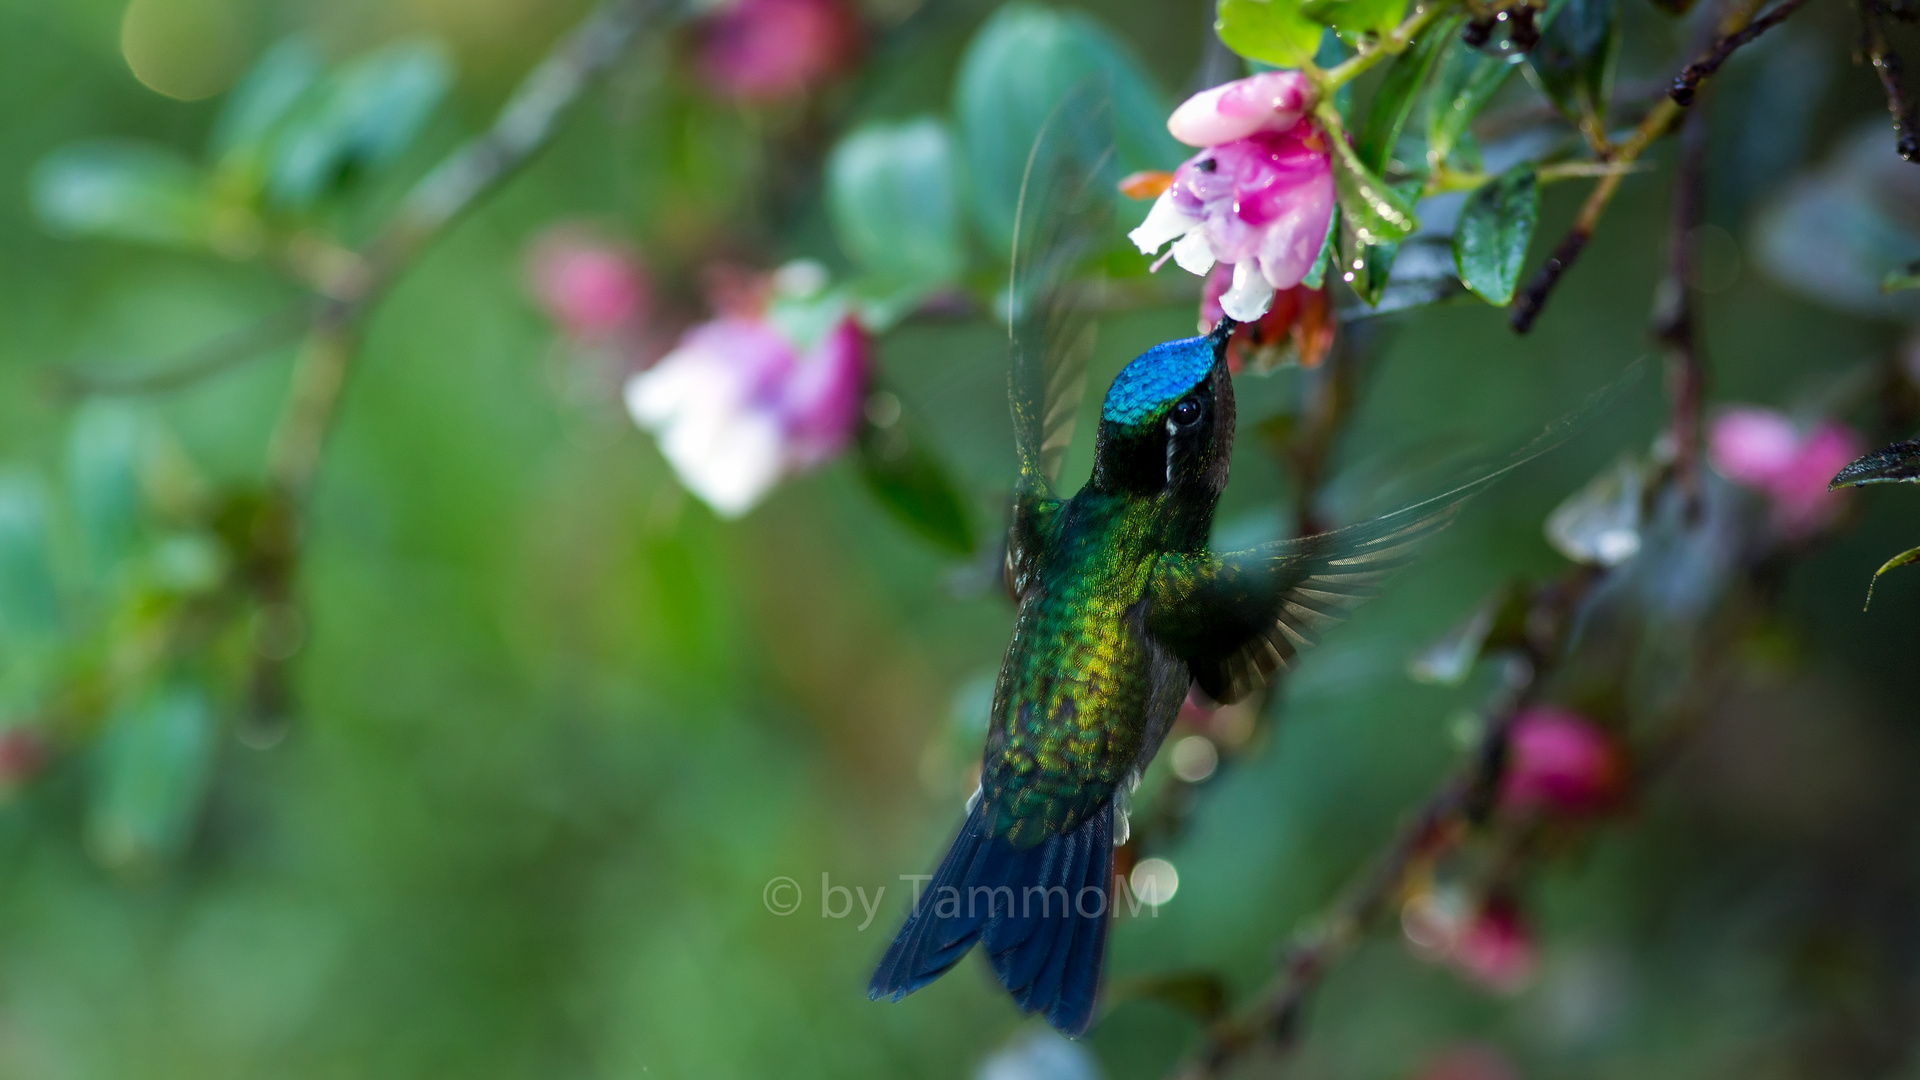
[[1688, 81], [524, 125], [206, 359], [1886, 64], [1675, 319], [1372, 53]]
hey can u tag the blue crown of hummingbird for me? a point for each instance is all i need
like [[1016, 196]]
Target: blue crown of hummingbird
[[1161, 376]]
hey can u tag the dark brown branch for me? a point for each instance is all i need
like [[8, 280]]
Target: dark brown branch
[[1688, 81], [1886, 64], [1527, 305], [1675, 323]]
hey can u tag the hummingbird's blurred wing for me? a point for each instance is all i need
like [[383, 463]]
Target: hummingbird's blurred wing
[[1238, 616], [1064, 217]]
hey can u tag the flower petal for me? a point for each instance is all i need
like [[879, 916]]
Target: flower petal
[[1165, 222], [1250, 295], [1270, 101], [1194, 253]]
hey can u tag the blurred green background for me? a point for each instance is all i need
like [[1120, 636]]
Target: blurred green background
[[559, 725]]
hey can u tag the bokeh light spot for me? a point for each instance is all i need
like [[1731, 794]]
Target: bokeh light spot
[[1194, 758], [185, 49], [1154, 881]]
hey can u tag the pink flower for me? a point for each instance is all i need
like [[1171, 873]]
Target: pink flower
[[1299, 318], [594, 290], [737, 407], [765, 50], [1763, 450], [1558, 761], [1259, 196]]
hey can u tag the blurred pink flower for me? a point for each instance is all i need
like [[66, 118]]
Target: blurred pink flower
[[1763, 450], [737, 407], [1496, 949], [1558, 761], [1467, 1061], [765, 50], [1259, 196], [593, 289]]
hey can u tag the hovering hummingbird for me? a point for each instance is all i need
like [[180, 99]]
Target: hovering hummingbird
[[1122, 606]]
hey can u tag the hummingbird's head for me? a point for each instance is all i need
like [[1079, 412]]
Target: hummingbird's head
[[1166, 426]]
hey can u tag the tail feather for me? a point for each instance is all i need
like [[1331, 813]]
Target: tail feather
[[1044, 933]]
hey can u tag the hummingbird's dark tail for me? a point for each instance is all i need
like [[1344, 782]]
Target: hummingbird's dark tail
[[1040, 912]]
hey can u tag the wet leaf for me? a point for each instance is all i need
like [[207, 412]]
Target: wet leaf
[[1270, 31], [29, 597], [1573, 62], [1465, 81], [1329, 250], [909, 480], [1496, 225], [1898, 463], [1017, 72], [1907, 557], [360, 118], [123, 190], [1356, 16], [1393, 102], [1839, 232], [1369, 206], [1368, 267], [894, 197], [150, 773]]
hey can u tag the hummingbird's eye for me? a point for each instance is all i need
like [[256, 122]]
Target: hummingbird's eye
[[1185, 412]]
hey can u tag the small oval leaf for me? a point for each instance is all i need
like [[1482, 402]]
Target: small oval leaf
[[1270, 31], [151, 769], [1490, 241], [894, 196], [124, 190]]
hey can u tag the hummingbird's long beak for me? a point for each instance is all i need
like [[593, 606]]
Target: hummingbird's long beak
[[1222, 330]]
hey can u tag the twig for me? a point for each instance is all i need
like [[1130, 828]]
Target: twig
[[1675, 320], [1690, 77], [524, 125], [208, 358], [1393, 44], [1886, 64]]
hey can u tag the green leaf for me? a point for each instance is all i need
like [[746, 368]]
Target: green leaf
[[1906, 277], [894, 197], [1573, 61], [1896, 463], [908, 480], [1495, 227], [1369, 206], [1467, 80], [1019, 69], [1329, 250], [1367, 266], [1270, 31], [266, 95], [103, 478], [1356, 16], [29, 597], [1911, 555], [1393, 102], [124, 190], [150, 774], [360, 118]]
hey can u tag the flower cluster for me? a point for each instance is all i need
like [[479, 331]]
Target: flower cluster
[[1258, 197], [1766, 452]]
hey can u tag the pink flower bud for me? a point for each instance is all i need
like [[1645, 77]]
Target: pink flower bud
[[1271, 101], [1557, 761], [766, 50], [1763, 450], [592, 289]]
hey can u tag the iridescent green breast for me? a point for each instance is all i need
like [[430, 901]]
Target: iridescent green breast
[[1080, 682]]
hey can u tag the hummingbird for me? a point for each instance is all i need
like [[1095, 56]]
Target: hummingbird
[[1122, 609]]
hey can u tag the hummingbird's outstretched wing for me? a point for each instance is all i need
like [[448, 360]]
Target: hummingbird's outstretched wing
[[1064, 216], [1236, 617]]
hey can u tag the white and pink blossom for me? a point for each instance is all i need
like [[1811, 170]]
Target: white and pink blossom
[[737, 407], [1259, 196]]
